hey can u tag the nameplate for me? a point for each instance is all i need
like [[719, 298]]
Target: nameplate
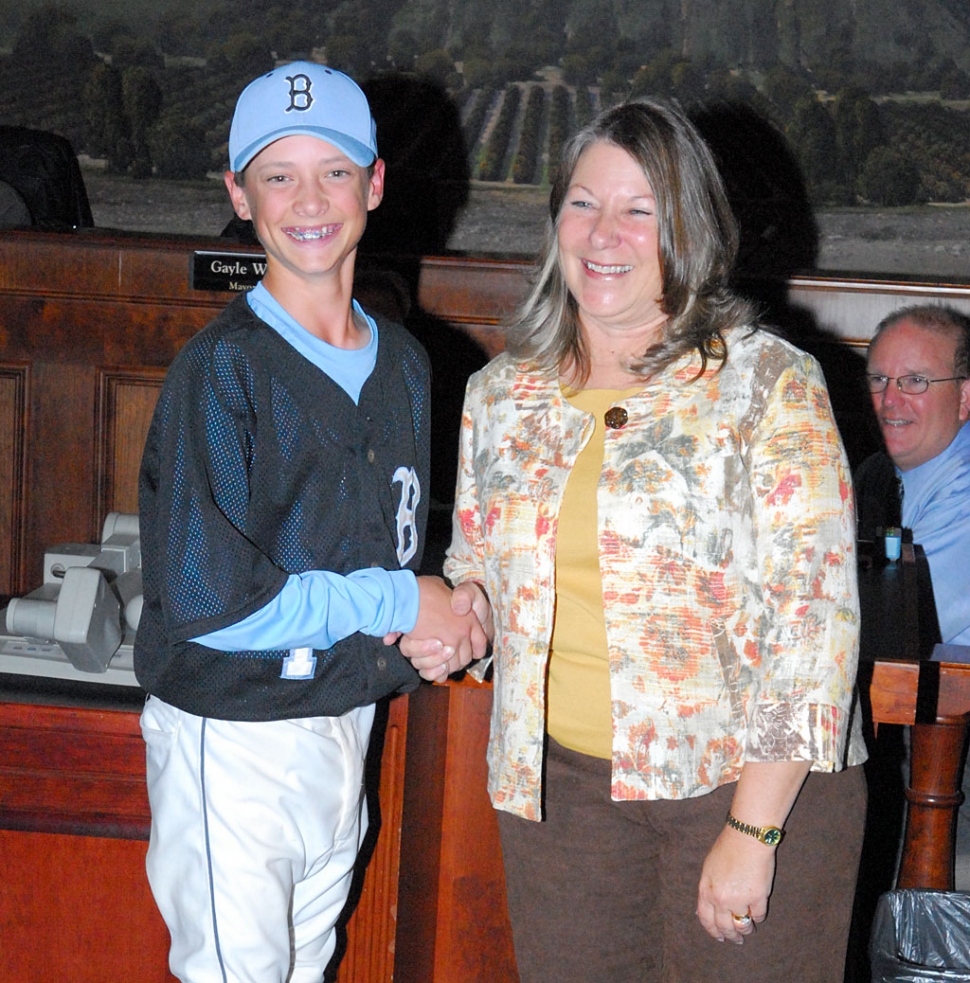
[[227, 272]]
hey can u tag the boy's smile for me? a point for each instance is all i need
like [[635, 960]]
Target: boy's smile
[[308, 202], [306, 235]]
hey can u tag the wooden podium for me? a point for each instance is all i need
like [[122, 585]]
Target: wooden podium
[[452, 918]]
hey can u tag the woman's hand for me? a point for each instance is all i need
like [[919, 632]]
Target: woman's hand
[[738, 873], [735, 885], [470, 596]]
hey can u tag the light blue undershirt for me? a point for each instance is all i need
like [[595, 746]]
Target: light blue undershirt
[[936, 506], [350, 368], [319, 608]]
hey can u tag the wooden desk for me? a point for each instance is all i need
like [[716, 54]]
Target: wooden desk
[[74, 818], [74, 899]]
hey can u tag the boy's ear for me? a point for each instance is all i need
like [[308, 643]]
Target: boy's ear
[[237, 195], [375, 185]]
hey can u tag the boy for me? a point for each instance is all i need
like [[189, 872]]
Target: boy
[[282, 517]]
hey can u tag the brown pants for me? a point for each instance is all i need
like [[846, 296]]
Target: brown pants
[[604, 890]]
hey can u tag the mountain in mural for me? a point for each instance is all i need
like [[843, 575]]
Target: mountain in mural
[[812, 35], [798, 33]]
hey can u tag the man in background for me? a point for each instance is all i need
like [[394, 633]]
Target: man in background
[[917, 370], [918, 377]]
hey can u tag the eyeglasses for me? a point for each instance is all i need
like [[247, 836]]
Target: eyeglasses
[[911, 385]]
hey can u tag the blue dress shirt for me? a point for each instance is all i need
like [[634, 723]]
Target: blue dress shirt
[[936, 506]]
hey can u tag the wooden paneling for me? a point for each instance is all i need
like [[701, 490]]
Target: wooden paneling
[[850, 309], [97, 321], [72, 770], [126, 402], [372, 931], [61, 454], [451, 855], [78, 909], [13, 427]]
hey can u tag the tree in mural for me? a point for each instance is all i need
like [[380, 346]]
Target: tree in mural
[[49, 36], [180, 149], [889, 178], [814, 141], [107, 125], [142, 100], [858, 128]]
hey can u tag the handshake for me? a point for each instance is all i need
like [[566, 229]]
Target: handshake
[[453, 628]]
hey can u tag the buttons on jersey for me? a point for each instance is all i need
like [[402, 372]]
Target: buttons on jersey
[[371, 456], [616, 417]]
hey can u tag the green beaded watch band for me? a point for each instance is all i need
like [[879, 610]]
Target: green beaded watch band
[[769, 835]]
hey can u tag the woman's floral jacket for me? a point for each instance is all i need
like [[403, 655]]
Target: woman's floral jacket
[[727, 555]]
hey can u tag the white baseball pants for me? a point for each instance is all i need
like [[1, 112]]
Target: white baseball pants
[[255, 831]]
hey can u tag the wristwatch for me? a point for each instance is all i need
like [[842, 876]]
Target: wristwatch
[[769, 835]]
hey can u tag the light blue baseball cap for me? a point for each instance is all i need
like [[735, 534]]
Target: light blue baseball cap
[[302, 98]]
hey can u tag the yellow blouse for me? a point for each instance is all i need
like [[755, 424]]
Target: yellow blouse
[[578, 701]]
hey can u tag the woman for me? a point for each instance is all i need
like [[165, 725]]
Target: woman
[[654, 497]]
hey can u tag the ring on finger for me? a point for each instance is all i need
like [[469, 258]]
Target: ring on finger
[[741, 920]]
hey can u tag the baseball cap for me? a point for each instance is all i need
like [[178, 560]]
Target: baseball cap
[[302, 98]]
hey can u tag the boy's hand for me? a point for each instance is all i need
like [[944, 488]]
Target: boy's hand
[[449, 632]]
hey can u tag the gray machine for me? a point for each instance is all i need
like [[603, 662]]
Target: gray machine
[[80, 623]]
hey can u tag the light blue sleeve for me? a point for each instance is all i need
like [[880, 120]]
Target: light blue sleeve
[[319, 608]]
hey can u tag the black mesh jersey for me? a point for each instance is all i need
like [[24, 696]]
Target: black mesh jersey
[[258, 465]]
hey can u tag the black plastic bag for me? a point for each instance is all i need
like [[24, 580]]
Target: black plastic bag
[[921, 936]]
